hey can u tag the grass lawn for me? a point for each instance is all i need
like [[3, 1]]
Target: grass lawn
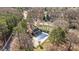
[[45, 28]]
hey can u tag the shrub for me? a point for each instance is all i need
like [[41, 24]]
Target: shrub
[[57, 35]]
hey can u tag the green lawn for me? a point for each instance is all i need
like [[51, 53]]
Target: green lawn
[[45, 28]]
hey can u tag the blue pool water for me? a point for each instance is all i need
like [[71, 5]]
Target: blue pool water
[[41, 36]]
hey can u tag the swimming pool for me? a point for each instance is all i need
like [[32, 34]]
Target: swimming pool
[[40, 38]]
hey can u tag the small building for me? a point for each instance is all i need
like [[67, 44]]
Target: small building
[[39, 37]]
